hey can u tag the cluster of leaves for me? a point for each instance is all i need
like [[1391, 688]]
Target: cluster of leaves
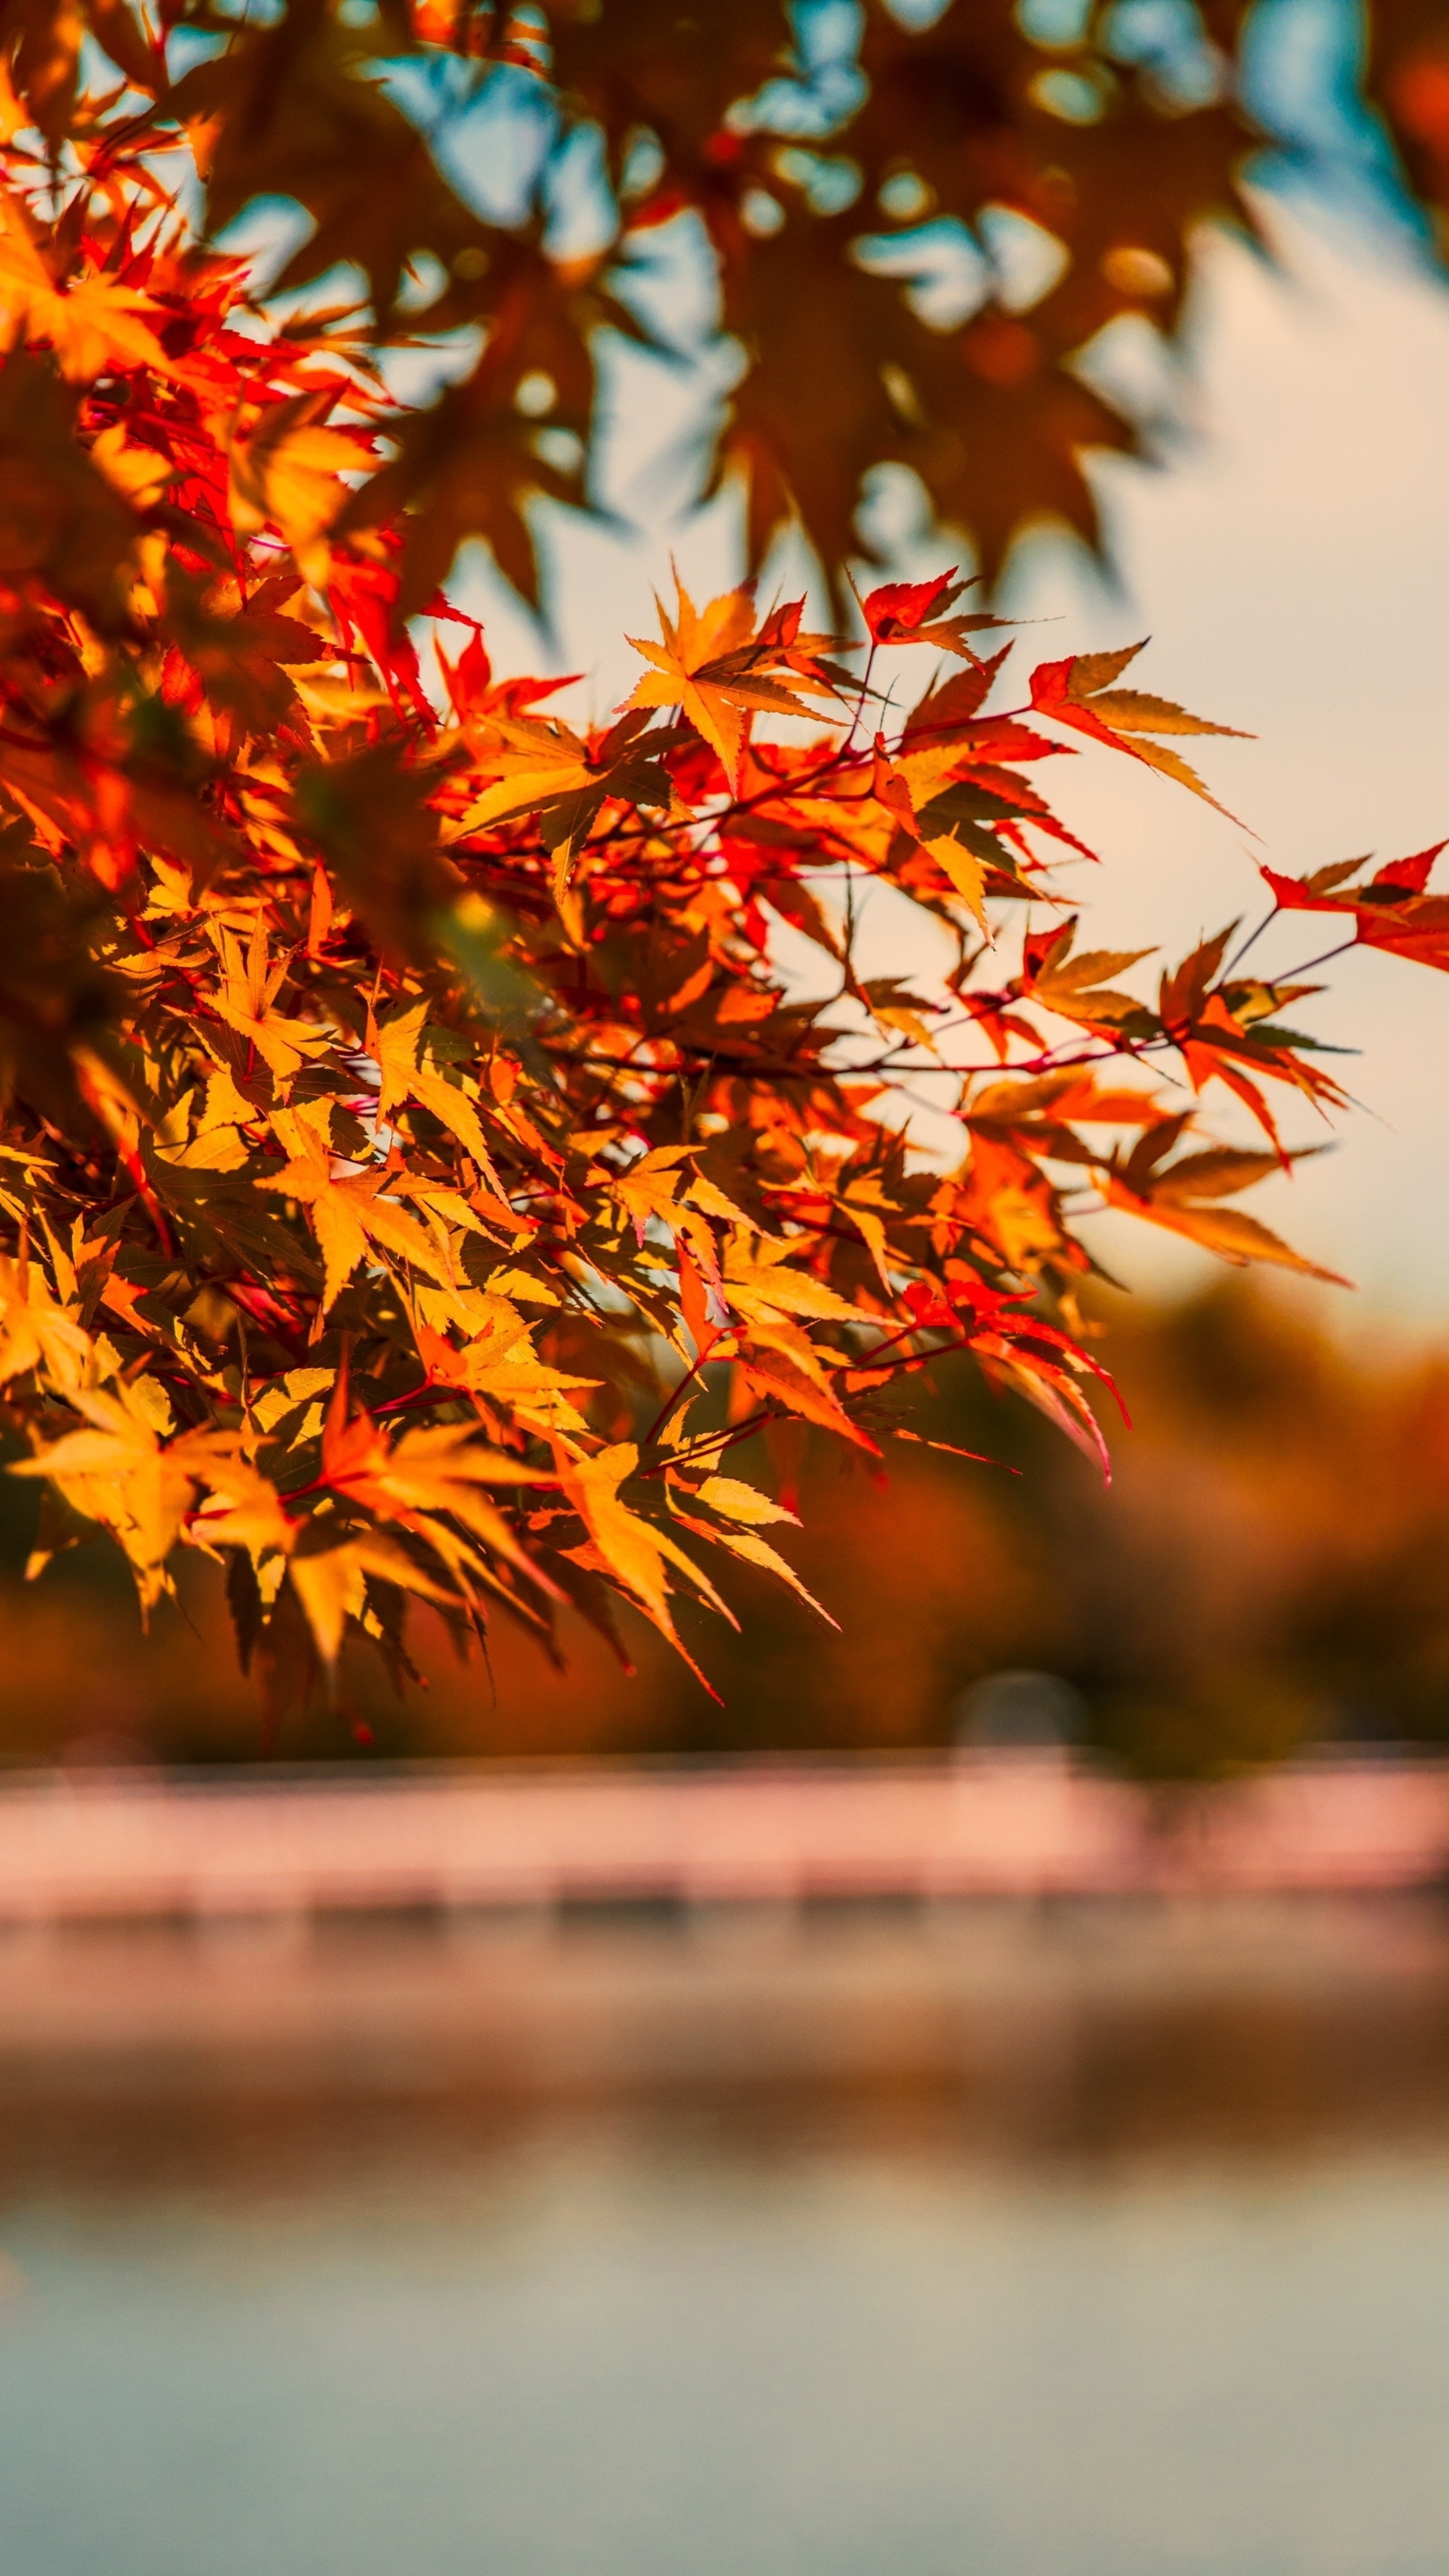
[[416, 1173]]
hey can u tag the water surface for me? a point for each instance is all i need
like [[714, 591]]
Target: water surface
[[1067, 2244]]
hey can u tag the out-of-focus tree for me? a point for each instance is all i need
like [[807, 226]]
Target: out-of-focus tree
[[921, 221]]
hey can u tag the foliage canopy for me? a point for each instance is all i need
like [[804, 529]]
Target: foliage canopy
[[418, 1171]]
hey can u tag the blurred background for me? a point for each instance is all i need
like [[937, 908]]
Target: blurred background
[[1084, 2235]]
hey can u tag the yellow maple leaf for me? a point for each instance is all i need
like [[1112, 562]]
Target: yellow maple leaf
[[635, 1553], [243, 1507], [290, 473], [244, 1001], [778, 1364], [533, 762], [331, 1584], [36, 1333], [649, 1187], [394, 1044], [440, 1469], [754, 1550], [91, 324], [497, 1332], [909, 782], [121, 1472], [346, 1212], [137, 471], [714, 665], [737, 1501], [966, 872], [769, 1285]]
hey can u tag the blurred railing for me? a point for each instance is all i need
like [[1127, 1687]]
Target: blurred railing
[[148, 1846]]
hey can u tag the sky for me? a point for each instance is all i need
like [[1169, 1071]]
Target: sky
[[1290, 563]]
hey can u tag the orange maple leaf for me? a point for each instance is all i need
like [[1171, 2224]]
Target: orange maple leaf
[[720, 670]]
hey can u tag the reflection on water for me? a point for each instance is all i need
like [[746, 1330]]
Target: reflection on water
[[1061, 2241]]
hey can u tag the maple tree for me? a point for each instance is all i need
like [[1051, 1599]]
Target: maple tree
[[418, 1173]]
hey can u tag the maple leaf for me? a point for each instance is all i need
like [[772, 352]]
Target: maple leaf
[[237, 654], [369, 814], [720, 670], [779, 1368], [136, 471], [498, 1364], [1228, 1030], [702, 1325], [1078, 692], [289, 472], [394, 1043], [472, 462], [913, 612], [244, 1001], [438, 1472], [129, 41], [292, 108], [92, 324], [364, 598], [723, 1494], [951, 708], [768, 1283], [546, 770], [36, 1332], [60, 518], [346, 1212], [241, 1508], [123, 1473], [651, 1187], [962, 852], [636, 1552], [1073, 986], [47, 42], [1391, 910], [330, 1579], [1185, 1197]]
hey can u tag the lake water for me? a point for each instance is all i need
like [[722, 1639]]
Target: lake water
[[1018, 2242]]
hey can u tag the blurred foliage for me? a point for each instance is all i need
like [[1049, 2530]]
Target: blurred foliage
[[916, 227], [1270, 1567]]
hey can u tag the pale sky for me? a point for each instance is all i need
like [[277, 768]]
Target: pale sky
[[1292, 567]]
